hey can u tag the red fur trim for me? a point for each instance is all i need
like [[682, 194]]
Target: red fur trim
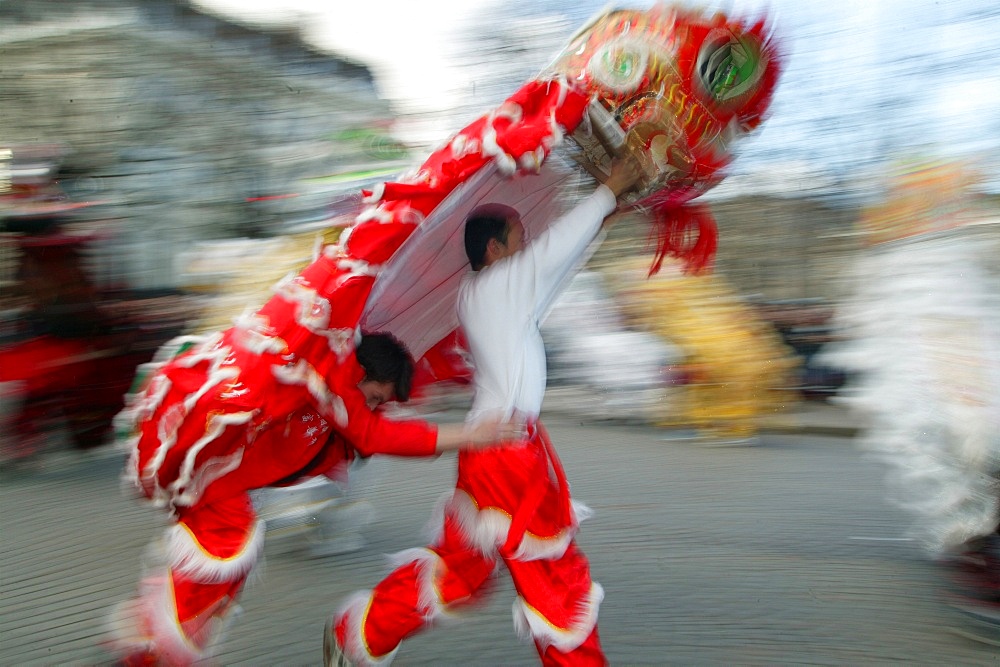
[[531, 624], [350, 620], [687, 232], [187, 557]]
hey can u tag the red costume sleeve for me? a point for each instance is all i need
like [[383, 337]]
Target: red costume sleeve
[[370, 433]]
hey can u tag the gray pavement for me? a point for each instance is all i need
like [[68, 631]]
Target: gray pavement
[[781, 553], [799, 416]]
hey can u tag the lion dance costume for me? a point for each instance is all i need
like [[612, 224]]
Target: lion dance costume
[[672, 86], [921, 341], [735, 364]]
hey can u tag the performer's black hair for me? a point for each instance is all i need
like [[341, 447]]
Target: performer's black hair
[[386, 359], [484, 223]]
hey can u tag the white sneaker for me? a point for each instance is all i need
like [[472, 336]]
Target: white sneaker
[[332, 655]]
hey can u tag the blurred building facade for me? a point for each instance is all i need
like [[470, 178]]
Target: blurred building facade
[[189, 128], [183, 127]]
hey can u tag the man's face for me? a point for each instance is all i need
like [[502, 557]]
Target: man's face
[[515, 236], [376, 393]]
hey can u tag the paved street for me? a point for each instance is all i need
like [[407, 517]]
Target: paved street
[[783, 553]]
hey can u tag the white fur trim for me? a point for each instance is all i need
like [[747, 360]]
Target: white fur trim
[[419, 174], [354, 611], [125, 636], [581, 512], [563, 84], [463, 145], [170, 640], [171, 348], [429, 566], [486, 529], [335, 250], [149, 623], [377, 191], [490, 148], [138, 408], [130, 475], [357, 267], [187, 557], [530, 624], [533, 548], [312, 312], [151, 399], [208, 348], [428, 597], [434, 528], [458, 145], [511, 111], [208, 472], [342, 240], [302, 373], [191, 481], [532, 160], [143, 403], [254, 335], [376, 213], [408, 216], [557, 133], [170, 421]]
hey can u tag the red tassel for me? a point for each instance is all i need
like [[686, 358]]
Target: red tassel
[[688, 232]]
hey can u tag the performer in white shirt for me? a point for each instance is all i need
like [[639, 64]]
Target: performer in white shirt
[[514, 503]]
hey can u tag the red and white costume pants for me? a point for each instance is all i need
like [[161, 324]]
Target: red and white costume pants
[[557, 603], [192, 582]]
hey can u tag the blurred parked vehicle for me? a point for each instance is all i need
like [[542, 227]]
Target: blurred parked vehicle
[[805, 326], [68, 348], [65, 362]]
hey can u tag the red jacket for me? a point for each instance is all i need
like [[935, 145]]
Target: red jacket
[[268, 401]]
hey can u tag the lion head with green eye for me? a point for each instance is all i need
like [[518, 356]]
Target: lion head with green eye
[[674, 84]]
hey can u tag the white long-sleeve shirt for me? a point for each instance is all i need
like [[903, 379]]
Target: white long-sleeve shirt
[[501, 308]]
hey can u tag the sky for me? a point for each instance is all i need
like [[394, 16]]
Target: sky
[[867, 81]]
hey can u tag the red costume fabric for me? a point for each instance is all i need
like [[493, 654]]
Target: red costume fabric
[[510, 503], [31, 371], [267, 402], [524, 516], [275, 398], [670, 87]]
